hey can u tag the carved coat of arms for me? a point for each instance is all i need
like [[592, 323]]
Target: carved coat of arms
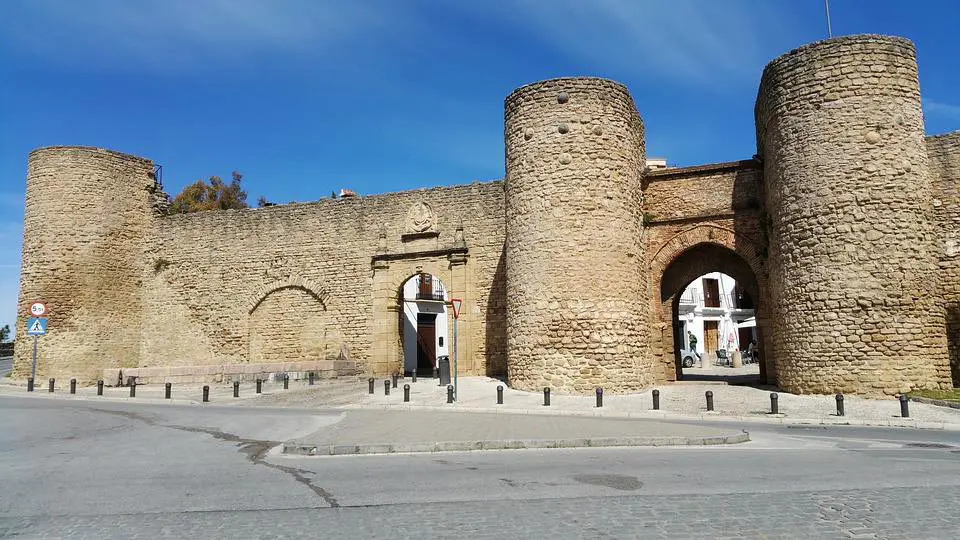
[[421, 218]]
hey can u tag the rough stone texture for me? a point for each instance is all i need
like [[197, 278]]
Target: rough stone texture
[[842, 230], [576, 295], [944, 154], [87, 218], [853, 271], [699, 220]]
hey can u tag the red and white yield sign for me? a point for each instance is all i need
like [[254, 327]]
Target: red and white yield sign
[[38, 309], [455, 302]]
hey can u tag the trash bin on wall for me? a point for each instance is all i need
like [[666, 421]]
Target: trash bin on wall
[[444, 367]]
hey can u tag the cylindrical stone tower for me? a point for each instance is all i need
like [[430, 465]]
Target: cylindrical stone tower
[[853, 259], [85, 229], [576, 297], [944, 154]]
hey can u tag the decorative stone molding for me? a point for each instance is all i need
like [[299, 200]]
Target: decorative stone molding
[[421, 218]]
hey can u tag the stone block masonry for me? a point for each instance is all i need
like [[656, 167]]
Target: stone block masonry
[[842, 229], [854, 261], [944, 154], [576, 299]]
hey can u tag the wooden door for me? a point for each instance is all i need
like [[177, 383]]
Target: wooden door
[[426, 341], [710, 335], [711, 293]]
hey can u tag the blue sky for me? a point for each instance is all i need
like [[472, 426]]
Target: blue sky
[[308, 96]]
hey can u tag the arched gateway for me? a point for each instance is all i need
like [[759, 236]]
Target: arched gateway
[[841, 230]]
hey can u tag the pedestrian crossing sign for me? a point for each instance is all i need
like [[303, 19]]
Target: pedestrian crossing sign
[[36, 326]]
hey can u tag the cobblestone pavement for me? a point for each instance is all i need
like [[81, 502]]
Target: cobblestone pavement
[[887, 513]]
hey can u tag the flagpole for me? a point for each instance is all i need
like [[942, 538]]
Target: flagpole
[[826, 4]]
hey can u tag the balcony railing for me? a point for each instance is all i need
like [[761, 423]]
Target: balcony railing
[[430, 289], [694, 297]]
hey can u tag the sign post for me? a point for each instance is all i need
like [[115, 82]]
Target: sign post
[[36, 327], [455, 302]]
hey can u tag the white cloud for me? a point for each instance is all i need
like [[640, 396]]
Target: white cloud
[[690, 40], [179, 34], [945, 110]]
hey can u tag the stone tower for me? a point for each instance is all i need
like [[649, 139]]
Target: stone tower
[[944, 153], [576, 295], [853, 271], [86, 222]]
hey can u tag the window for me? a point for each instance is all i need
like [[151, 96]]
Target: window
[[711, 292]]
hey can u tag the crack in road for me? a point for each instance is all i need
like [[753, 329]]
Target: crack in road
[[254, 449]]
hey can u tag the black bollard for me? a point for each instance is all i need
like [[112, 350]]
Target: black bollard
[[370, 382], [167, 390], [406, 392], [73, 386], [52, 382], [100, 387], [394, 380], [839, 404], [286, 381], [386, 387], [449, 393], [259, 386], [413, 375], [436, 373], [236, 388], [29, 384], [499, 394], [133, 389], [709, 400], [904, 406], [774, 409], [310, 378], [656, 400], [599, 397], [206, 393], [546, 397]]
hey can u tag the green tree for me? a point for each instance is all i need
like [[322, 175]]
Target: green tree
[[215, 195], [5, 333]]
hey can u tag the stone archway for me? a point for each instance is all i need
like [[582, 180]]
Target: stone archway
[[693, 252], [388, 317], [289, 322]]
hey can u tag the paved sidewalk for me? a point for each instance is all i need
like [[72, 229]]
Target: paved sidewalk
[[681, 401], [677, 401], [379, 432]]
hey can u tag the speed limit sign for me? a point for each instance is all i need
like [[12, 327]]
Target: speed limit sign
[[38, 309]]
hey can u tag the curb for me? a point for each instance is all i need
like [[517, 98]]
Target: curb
[[300, 449], [937, 402]]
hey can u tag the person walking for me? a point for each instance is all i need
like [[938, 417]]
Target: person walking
[[692, 340]]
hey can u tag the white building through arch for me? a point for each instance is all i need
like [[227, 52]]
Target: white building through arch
[[720, 314], [425, 324]]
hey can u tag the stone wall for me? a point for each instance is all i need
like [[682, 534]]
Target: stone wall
[[88, 215], [574, 252], [842, 230], [297, 282], [944, 154], [853, 268], [698, 220]]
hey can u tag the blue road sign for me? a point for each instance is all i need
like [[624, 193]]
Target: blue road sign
[[36, 326]]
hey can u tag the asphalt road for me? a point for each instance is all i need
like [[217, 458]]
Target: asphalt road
[[79, 469]]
